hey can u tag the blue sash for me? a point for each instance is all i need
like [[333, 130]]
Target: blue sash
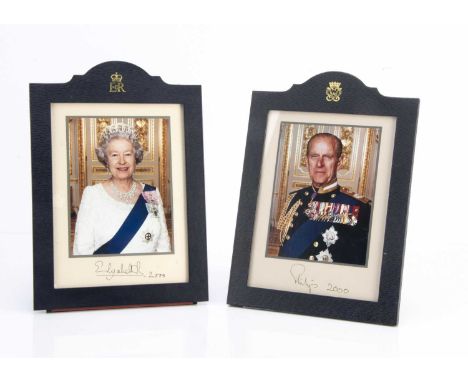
[[129, 227], [302, 238]]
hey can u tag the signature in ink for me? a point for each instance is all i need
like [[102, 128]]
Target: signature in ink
[[298, 274], [110, 270]]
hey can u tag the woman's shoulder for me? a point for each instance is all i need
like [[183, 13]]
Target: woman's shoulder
[[93, 191], [98, 187]]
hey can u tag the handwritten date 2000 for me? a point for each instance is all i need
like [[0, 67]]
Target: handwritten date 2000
[[304, 280]]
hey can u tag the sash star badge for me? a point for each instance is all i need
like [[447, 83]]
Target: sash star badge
[[325, 256]]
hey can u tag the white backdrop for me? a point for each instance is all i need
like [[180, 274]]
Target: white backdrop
[[229, 61]]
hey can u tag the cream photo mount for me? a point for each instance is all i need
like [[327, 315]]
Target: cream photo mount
[[280, 126], [117, 91], [312, 277]]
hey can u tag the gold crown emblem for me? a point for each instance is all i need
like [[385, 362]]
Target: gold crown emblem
[[116, 77], [333, 91]]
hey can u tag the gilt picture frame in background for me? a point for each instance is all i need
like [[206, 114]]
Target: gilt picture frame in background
[[324, 201], [96, 246]]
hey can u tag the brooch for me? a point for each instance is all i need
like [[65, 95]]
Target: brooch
[[147, 236], [152, 202]]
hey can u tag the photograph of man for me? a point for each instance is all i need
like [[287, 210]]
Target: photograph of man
[[322, 222]]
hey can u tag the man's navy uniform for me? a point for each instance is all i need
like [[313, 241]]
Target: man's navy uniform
[[325, 225]]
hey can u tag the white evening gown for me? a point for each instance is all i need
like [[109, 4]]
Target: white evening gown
[[100, 217]]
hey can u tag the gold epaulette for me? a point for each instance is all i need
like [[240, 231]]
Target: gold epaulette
[[362, 199], [287, 216]]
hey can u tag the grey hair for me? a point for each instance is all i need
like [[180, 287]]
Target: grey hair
[[338, 144], [118, 130]]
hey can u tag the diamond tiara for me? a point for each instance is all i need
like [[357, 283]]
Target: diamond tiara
[[118, 129]]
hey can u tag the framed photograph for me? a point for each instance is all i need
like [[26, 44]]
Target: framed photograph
[[324, 201], [113, 154]]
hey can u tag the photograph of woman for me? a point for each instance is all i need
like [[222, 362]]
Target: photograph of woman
[[120, 215]]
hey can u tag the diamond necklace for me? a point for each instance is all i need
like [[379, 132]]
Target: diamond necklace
[[126, 197]]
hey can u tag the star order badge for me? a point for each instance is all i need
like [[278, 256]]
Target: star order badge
[[330, 237]]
